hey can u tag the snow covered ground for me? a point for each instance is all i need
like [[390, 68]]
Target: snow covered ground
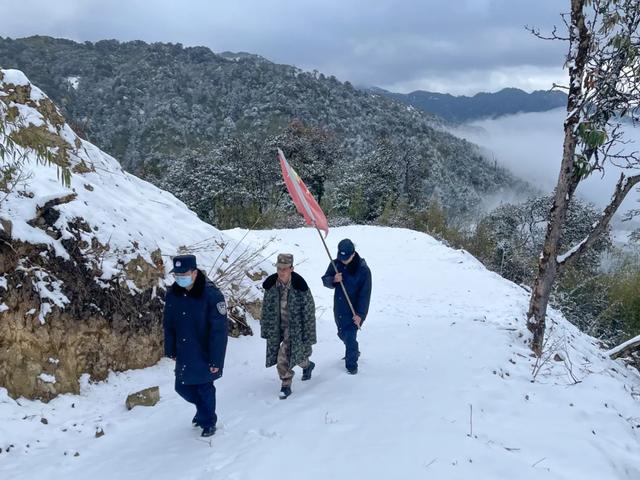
[[444, 391]]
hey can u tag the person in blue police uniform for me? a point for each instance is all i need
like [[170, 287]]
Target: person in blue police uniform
[[354, 273], [195, 336]]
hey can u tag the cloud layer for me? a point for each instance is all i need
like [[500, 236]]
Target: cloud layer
[[457, 47], [530, 145]]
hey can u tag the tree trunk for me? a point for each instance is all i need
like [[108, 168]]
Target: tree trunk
[[567, 181], [548, 264]]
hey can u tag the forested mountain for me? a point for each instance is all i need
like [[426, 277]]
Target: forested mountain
[[206, 127]]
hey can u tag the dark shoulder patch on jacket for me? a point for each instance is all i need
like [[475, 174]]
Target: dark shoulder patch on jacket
[[298, 282], [270, 281], [216, 297]]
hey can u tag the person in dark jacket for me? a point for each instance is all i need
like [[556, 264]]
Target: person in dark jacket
[[288, 323], [195, 336], [355, 275]]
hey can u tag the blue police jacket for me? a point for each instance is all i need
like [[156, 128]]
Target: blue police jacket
[[195, 330]]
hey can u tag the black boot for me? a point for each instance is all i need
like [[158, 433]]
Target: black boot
[[208, 431], [306, 372], [285, 392], [194, 422]]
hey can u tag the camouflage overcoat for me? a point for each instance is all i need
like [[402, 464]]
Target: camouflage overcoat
[[302, 319]]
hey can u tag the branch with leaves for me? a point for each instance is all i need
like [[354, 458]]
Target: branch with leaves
[[14, 158]]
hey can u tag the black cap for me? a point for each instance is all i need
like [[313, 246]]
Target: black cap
[[184, 263], [345, 249]]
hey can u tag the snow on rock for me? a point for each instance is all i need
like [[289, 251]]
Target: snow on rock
[[444, 391], [91, 257], [14, 77], [46, 378], [50, 292], [73, 82]]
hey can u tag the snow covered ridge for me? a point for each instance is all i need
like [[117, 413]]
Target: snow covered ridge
[[88, 259]]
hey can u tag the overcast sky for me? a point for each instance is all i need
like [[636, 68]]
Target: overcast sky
[[454, 46]]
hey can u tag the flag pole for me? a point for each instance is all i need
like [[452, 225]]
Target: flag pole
[[297, 191], [335, 268]]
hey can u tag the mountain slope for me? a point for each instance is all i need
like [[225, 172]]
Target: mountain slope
[[84, 266], [166, 111], [461, 109], [444, 391]]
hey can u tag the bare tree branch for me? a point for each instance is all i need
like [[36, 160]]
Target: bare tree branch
[[553, 36], [624, 186]]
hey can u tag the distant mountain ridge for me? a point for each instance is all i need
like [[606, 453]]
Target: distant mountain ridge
[[461, 109]]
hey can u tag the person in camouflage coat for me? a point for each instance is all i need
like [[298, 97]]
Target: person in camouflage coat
[[288, 323]]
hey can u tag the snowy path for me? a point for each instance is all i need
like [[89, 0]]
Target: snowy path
[[443, 334]]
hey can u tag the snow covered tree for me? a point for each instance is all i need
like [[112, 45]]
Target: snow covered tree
[[604, 92], [378, 185], [230, 186], [516, 233], [410, 172], [313, 152]]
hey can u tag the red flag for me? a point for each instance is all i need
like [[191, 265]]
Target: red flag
[[302, 198]]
